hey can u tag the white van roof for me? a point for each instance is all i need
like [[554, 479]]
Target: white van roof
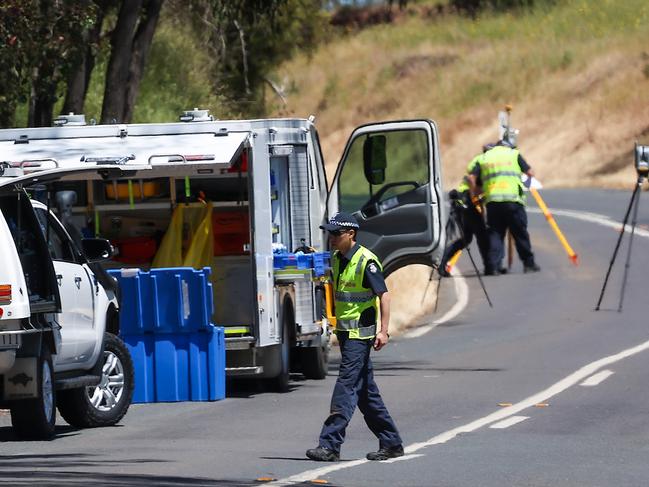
[[120, 148]]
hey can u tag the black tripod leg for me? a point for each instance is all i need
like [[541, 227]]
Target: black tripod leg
[[617, 245], [439, 285], [475, 267], [477, 273], [634, 220]]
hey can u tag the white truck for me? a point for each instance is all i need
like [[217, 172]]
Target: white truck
[[266, 182], [58, 321]]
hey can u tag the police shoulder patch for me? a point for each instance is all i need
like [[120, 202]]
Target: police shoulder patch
[[372, 268]]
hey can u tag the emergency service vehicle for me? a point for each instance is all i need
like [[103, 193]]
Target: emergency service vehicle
[[266, 187]]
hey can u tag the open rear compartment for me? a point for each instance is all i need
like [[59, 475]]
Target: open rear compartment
[[156, 222]]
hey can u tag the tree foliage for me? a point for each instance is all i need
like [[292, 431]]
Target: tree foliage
[[49, 50], [41, 41], [248, 38], [473, 7]]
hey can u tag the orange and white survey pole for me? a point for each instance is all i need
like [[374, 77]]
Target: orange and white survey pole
[[553, 224]]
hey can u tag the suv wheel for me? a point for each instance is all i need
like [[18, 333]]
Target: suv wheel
[[106, 403], [35, 418]]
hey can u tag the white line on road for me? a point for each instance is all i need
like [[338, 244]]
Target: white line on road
[[499, 415], [594, 218], [462, 293], [506, 423], [597, 379]]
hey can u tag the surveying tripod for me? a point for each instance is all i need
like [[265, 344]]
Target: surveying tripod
[[456, 218], [633, 205]]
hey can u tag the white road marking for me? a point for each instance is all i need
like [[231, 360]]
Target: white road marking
[[597, 379], [506, 423], [594, 218], [499, 415], [462, 293]]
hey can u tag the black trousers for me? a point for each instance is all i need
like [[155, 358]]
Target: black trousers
[[471, 223], [500, 218]]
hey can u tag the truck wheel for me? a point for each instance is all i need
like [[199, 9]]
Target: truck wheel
[[315, 362], [281, 382], [36, 418], [106, 403]]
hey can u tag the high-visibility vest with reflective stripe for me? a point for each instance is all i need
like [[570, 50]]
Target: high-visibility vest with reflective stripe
[[351, 298], [464, 184], [501, 175]]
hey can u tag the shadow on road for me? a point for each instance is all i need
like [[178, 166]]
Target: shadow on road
[[56, 471]]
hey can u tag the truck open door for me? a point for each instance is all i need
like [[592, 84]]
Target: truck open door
[[389, 178]]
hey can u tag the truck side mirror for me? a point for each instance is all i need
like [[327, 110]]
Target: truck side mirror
[[374, 159], [97, 249]]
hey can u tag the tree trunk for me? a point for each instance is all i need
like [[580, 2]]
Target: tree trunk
[[43, 96], [140, 51], [79, 80], [117, 73]]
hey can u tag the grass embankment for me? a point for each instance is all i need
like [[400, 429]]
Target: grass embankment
[[577, 75]]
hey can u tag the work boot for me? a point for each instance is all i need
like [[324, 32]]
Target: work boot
[[385, 453], [503, 270], [490, 272], [443, 272], [531, 268], [322, 454]]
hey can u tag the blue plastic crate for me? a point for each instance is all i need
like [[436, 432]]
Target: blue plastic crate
[[168, 300], [178, 367], [290, 260], [321, 263]]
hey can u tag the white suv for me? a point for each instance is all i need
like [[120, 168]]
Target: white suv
[[59, 323]]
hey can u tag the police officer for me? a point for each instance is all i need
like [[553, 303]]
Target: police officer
[[499, 169], [468, 217], [361, 300]]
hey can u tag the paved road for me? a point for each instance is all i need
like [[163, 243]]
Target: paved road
[[446, 388]]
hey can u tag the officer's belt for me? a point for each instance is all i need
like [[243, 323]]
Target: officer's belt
[[356, 297], [363, 331], [498, 174]]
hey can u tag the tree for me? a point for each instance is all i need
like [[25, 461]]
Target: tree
[[40, 43], [130, 45], [248, 38]]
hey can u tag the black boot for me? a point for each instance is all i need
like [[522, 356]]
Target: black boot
[[322, 454], [385, 453]]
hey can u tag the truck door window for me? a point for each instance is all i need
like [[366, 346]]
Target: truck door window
[[406, 169], [58, 244]]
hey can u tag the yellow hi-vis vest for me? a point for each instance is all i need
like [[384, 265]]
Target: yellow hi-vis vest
[[351, 298], [501, 175], [464, 184]]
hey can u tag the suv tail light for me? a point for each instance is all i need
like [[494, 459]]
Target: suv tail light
[[5, 293]]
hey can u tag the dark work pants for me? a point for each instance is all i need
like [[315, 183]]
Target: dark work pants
[[471, 223], [500, 218], [356, 386]]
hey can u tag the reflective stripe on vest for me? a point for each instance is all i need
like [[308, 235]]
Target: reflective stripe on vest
[[501, 175], [351, 298]]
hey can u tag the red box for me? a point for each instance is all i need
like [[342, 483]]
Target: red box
[[135, 250], [231, 231]]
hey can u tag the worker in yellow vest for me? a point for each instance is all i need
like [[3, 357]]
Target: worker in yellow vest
[[362, 302], [499, 170], [467, 216]]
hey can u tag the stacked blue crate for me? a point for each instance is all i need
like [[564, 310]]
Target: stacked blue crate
[[178, 354], [317, 261]]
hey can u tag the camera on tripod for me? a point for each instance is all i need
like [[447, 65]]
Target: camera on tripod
[[642, 160]]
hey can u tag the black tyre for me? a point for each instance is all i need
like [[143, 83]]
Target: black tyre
[[315, 362], [106, 403], [281, 382], [36, 418]]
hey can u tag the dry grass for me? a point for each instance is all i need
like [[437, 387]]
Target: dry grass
[[577, 75]]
